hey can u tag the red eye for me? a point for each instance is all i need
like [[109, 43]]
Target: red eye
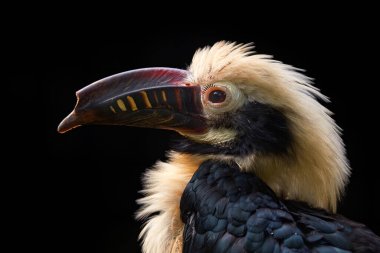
[[216, 95]]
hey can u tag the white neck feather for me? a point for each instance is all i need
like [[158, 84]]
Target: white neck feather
[[164, 185]]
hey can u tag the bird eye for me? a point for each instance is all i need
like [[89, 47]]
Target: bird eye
[[221, 97], [216, 96]]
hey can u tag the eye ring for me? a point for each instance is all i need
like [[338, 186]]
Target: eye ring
[[217, 96], [221, 97]]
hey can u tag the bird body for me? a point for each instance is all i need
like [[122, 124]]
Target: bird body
[[226, 210], [219, 207], [260, 165]]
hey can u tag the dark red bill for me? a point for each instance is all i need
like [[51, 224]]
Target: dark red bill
[[152, 97]]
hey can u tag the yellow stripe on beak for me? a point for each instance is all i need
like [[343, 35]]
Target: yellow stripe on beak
[[121, 105], [146, 99], [112, 109], [132, 103], [163, 94]]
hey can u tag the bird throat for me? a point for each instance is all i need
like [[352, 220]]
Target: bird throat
[[254, 128]]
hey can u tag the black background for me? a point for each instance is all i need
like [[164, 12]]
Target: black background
[[87, 193]]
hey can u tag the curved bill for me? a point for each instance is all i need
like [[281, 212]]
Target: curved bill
[[152, 97]]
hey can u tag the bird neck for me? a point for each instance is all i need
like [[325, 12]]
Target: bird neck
[[314, 170], [310, 172]]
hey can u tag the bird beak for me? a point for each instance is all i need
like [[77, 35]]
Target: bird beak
[[152, 97]]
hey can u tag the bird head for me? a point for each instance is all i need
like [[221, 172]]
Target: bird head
[[233, 105]]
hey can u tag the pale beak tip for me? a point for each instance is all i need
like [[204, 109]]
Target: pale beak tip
[[68, 123]]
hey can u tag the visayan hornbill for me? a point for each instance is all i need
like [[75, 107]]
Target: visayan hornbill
[[260, 167]]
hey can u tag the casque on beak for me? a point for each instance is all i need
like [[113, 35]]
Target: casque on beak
[[152, 97]]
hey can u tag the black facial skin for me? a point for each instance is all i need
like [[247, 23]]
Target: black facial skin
[[260, 129]]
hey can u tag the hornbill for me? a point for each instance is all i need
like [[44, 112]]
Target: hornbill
[[260, 164]]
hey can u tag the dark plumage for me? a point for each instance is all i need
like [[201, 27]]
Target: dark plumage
[[260, 129], [226, 210]]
